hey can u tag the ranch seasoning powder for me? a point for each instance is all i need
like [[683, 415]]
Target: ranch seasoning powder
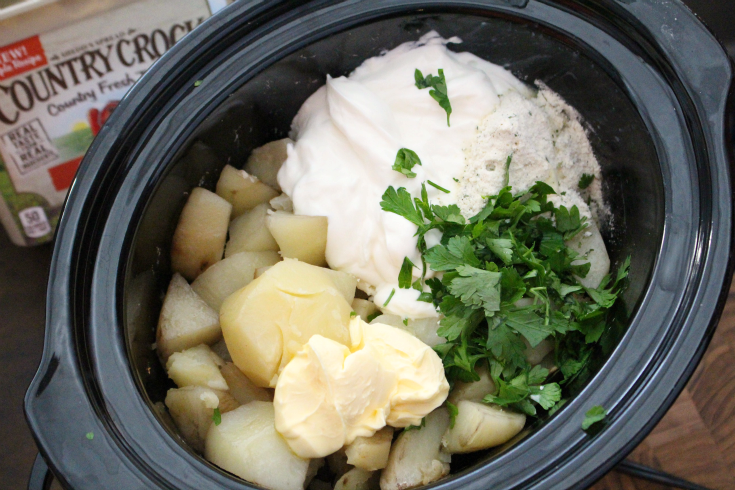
[[58, 88]]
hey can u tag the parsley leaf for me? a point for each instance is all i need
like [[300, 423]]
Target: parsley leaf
[[406, 274], [585, 181], [546, 395], [528, 323], [438, 85], [405, 160], [477, 287], [450, 214], [400, 203], [503, 248], [417, 427], [593, 416], [217, 416]]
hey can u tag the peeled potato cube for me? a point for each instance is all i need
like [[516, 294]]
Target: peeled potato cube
[[300, 237], [200, 235], [282, 203], [198, 366], [358, 479], [248, 233], [260, 271], [270, 319], [266, 161], [473, 391], [185, 320], [241, 387], [423, 329], [590, 242], [246, 444], [228, 275], [345, 283], [192, 409], [416, 457], [364, 308], [480, 426], [534, 355], [242, 190], [370, 453]]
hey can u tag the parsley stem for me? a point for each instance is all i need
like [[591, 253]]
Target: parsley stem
[[390, 297], [437, 187]]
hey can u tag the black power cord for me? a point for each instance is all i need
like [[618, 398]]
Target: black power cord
[[645, 473]]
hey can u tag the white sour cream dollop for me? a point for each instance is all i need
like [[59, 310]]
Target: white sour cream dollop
[[347, 135]]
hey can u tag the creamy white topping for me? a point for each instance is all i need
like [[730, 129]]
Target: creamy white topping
[[347, 136]]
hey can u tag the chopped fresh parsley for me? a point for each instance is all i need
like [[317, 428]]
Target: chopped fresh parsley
[[594, 416], [353, 314], [89, 435], [405, 160], [514, 248], [438, 92], [585, 181], [390, 297], [373, 316], [405, 321], [417, 427], [217, 416], [436, 186], [197, 83], [406, 274], [453, 412]]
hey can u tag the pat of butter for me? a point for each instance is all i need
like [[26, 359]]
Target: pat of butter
[[328, 394]]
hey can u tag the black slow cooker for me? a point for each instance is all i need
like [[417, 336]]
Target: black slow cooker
[[653, 86]]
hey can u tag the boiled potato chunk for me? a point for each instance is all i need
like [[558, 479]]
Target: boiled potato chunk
[[246, 444], [282, 203], [473, 391], [270, 319], [192, 408], [242, 190], [590, 242], [358, 479], [228, 275], [248, 233], [534, 355], [364, 308], [345, 283], [416, 457], [480, 426], [198, 366], [266, 161], [423, 329], [300, 237], [260, 271], [370, 453], [241, 388], [185, 320], [200, 235]]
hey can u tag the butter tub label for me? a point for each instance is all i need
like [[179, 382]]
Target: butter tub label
[[58, 88]]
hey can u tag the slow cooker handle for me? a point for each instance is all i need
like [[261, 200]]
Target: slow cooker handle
[[41, 476]]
